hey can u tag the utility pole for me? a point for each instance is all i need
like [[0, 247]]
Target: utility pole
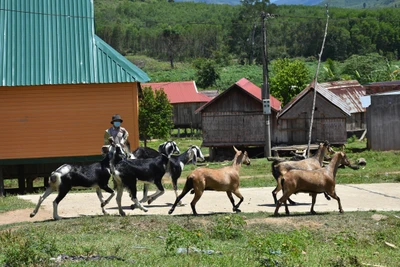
[[265, 92]]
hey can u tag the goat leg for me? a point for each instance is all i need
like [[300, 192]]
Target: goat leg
[[229, 193], [197, 196], [313, 197], [178, 199], [102, 201], [286, 208], [156, 195], [135, 200], [274, 195], [333, 195], [145, 192], [48, 191], [278, 205], [292, 202], [62, 192], [241, 198], [120, 190]]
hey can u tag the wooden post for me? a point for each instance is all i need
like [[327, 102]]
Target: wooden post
[[21, 179], [2, 193], [29, 184], [265, 92]]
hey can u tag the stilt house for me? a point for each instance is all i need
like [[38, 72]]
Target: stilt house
[[235, 118]]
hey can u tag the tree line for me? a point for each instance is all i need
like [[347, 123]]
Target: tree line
[[186, 30]]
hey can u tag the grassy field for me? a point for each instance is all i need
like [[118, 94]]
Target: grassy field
[[252, 239]]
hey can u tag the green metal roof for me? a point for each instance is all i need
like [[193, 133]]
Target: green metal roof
[[53, 42]]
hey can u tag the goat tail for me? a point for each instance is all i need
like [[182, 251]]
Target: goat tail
[[275, 169], [282, 182], [189, 185]]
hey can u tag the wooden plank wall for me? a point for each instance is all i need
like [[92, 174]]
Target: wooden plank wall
[[63, 120], [384, 123], [230, 128], [329, 123], [185, 116]]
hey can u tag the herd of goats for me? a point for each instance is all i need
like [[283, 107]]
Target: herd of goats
[[296, 175]]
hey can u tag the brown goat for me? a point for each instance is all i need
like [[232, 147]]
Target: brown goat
[[312, 163], [312, 182], [223, 179]]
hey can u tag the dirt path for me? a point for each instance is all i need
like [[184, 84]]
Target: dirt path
[[354, 197]]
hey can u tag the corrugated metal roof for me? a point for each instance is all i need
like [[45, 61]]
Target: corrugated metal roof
[[249, 88], [210, 93], [180, 92], [256, 91], [349, 91], [331, 97], [382, 87], [53, 42]]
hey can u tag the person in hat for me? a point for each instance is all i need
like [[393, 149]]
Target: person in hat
[[119, 134]]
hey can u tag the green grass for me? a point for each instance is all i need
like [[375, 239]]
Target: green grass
[[253, 239], [13, 203]]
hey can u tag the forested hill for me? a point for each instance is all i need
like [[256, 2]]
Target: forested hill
[[333, 3], [186, 31]]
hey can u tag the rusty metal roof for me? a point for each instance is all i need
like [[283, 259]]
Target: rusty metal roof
[[382, 87], [328, 95], [349, 91], [180, 92], [53, 42]]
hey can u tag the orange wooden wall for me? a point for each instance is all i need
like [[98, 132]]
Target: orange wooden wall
[[63, 120]]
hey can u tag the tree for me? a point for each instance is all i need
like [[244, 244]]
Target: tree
[[207, 74], [370, 68], [155, 115], [290, 78], [172, 40]]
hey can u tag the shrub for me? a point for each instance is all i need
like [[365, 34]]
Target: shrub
[[229, 227], [179, 237], [26, 249]]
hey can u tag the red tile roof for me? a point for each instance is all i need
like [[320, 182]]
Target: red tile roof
[[180, 92], [256, 91]]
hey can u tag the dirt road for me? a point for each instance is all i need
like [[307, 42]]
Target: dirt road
[[354, 197]]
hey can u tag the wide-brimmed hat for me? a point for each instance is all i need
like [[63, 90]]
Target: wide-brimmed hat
[[116, 117]]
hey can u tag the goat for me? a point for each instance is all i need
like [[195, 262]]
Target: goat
[[177, 163], [167, 148], [67, 176], [312, 182], [147, 152], [223, 179], [312, 163], [126, 173]]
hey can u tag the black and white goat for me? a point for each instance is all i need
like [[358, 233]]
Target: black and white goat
[[177, 163], [68, 176], [147, 152], [126, 173]]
